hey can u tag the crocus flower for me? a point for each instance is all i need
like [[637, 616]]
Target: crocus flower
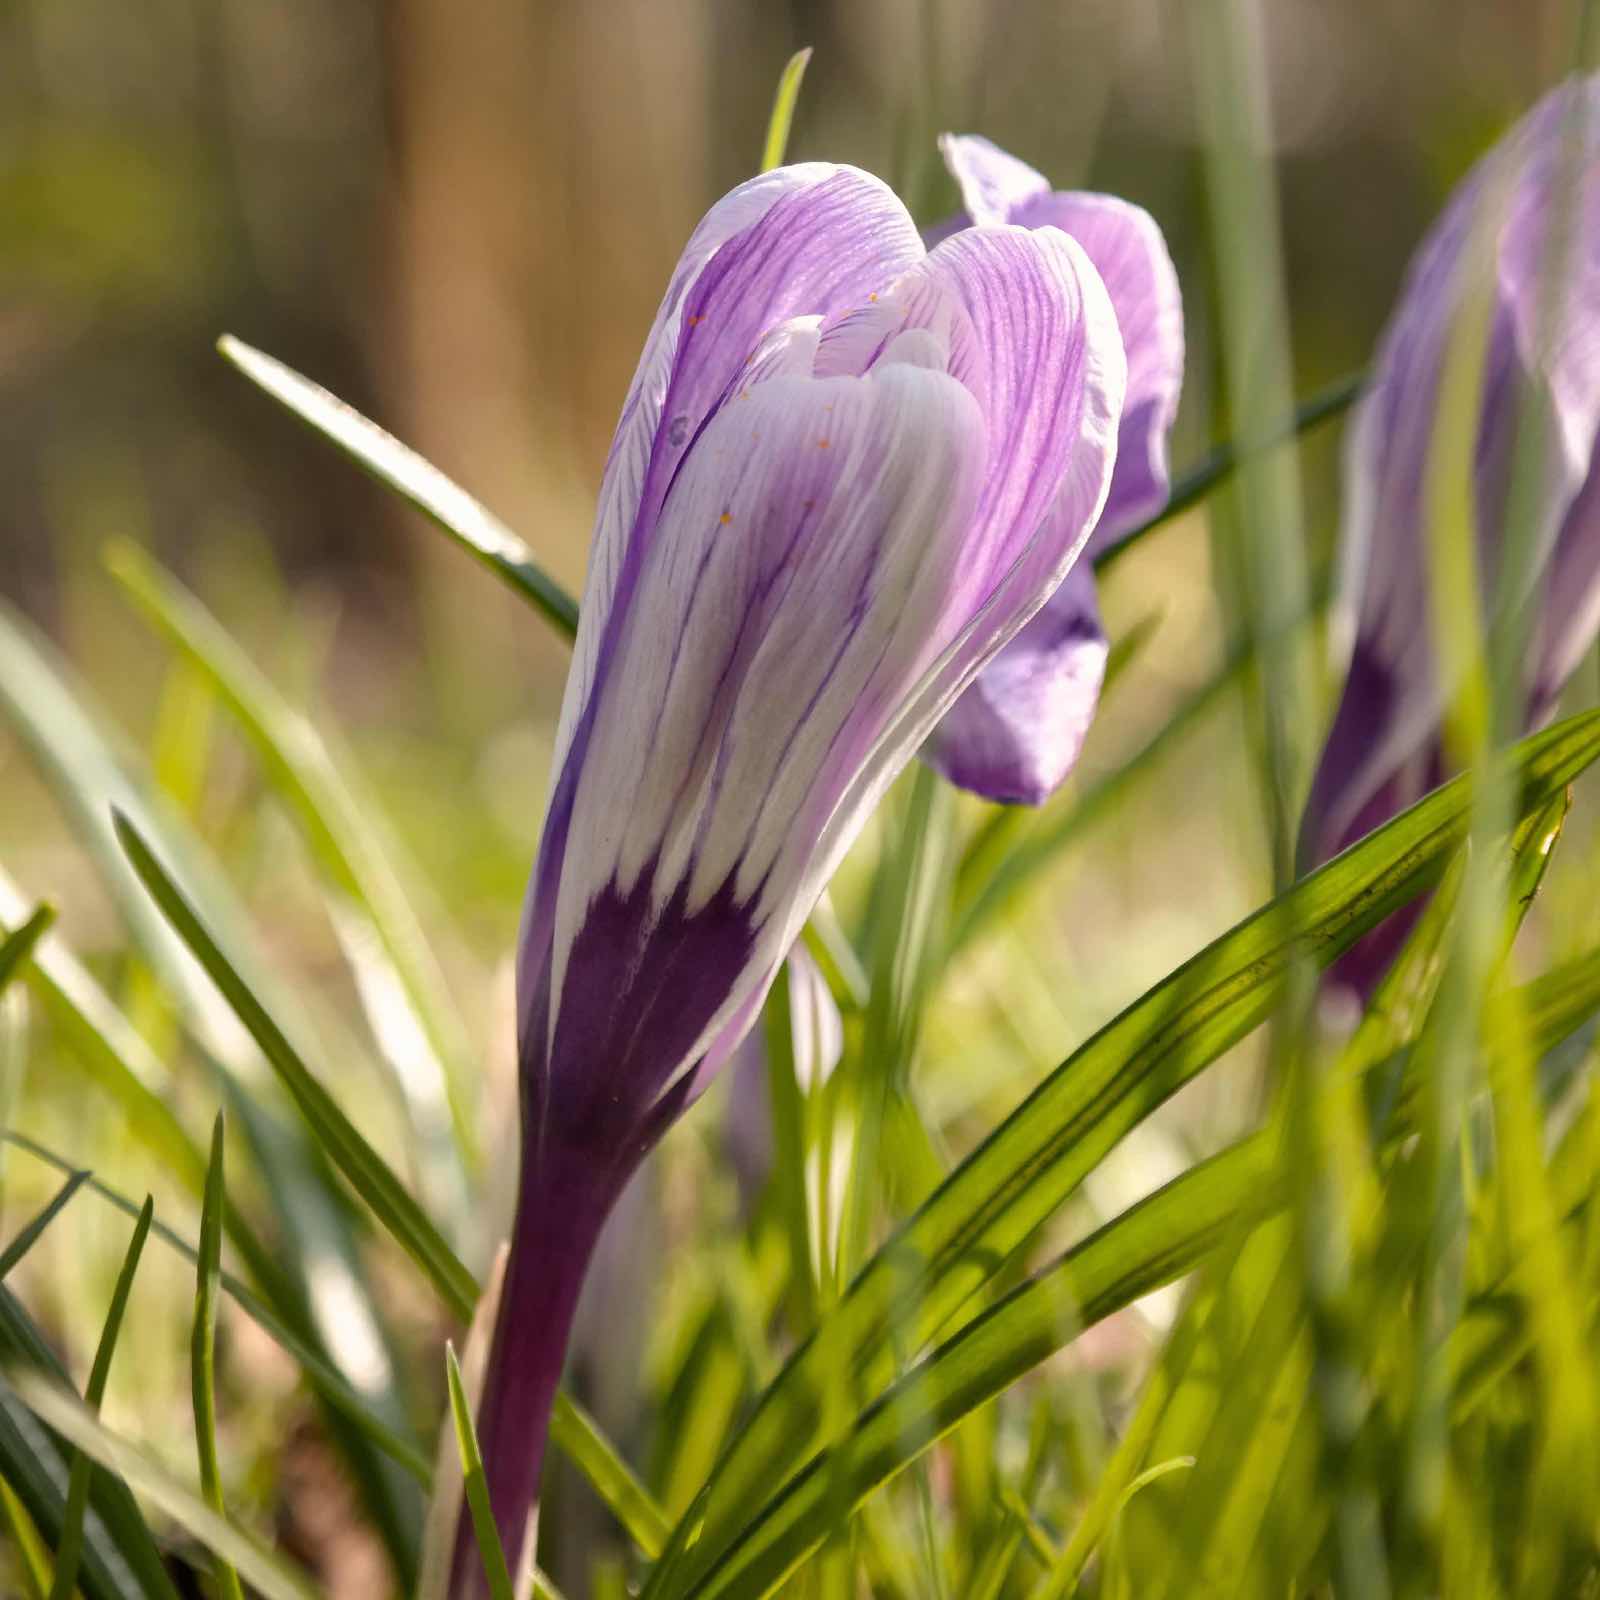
[[1543, 351], [848, 471], [1017, 731]]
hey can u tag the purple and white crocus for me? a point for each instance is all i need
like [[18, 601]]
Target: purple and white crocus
[[1385, 749], [849, 470], [1018, 730]]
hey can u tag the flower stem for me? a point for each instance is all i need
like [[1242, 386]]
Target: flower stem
[[560, 1211]]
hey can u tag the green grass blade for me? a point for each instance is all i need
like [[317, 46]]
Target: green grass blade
[[69, 1550], [997, 872], [319, 1371], [345, 837], [267, 1572], [1189, 488], [474, 1484], [29, 1551], [18, 946], [28, 1236], [574, 1432], [783, 104], [1156, 1242], [365, 1170], [203, 1349], [994, 1203], [114, 1054], [35, 1468], [119, 1556], [319, 1264], [475, 529]]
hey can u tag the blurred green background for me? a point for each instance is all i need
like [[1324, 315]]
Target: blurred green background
[[460, 218]]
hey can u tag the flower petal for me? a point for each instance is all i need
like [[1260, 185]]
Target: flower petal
[[798, 586], [1017, 732], [993, 184], [798, 241], [1131, 256], [1388, 720]]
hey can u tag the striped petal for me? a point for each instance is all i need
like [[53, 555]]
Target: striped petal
[[1542, 362], [1017, 732], [800, 581]]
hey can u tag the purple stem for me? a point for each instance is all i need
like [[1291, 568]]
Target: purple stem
[[562, 1205]]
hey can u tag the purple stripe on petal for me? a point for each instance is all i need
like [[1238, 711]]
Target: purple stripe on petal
[[1542, 361], [985, 743]]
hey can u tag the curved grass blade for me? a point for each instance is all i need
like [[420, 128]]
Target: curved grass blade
[[203, 1350], [474, 1485], [69, 1550], [28, 1549], [18, 946], [29, 1235], [35, 1467], [1001, 866], [1215, 468], [119, 1556], [1152, 1244], [112, 1051], [318, 1277], [572, 1430], [783, 104], [575, 1433], [317, 1286], [476, 530], [364, 1169], [319, 1371], [994, 1203], [491, 542], [344, 837], [263, 1569]]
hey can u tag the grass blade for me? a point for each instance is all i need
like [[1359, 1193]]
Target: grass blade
[[476, 530], [994, 1203], [69, 1551], [319, 1278], [342, 832], [1215, 468], [783, 104], [263, 1569], [319, 1371], [29, 1235], [18, 946], [574, 1432], [1156, 1242], [491, 542], [32, 1561], [119, 1557], [475, 1485], [203, 1349], [365, 1170]]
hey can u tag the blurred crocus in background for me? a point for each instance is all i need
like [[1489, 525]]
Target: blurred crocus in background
[[1017, 732], [849, 469], [1542, 369]]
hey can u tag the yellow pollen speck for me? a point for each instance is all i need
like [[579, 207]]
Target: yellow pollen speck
[[694, 322], [725, 518], [873, 298], [822, 444]]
